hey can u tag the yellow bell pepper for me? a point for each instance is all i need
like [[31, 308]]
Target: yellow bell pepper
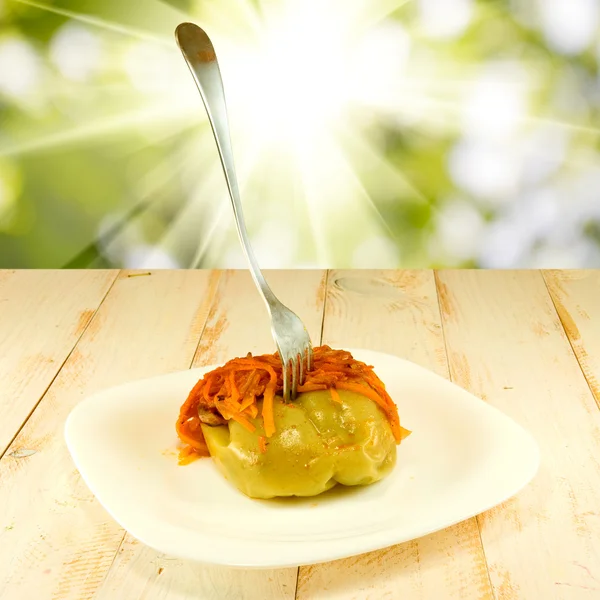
[[317, 444]]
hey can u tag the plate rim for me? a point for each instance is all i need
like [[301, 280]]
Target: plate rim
[[370, 541]]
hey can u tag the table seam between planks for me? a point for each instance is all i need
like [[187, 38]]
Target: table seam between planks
[[450, 378], [205, 333], [62, 364], [327, 274], [555, 303], [324, 308], [219, 275], [570, 348]]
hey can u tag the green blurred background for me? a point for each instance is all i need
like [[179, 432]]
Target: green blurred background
[[381, 133]]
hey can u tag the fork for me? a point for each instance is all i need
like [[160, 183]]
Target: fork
[[290, 334]]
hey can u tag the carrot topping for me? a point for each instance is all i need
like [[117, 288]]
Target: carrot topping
[[188, 455], [335, 395], [262, 444], [404, 433], [311, 388], [243, 422], [267, 410], [248, 400], [233, 392]]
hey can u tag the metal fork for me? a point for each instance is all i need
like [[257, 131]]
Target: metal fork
[[289, 333]]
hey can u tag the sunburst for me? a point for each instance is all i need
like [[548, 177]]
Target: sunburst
[[314, 89]]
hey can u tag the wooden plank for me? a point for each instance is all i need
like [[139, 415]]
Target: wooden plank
[[238, 324], [56, 541], [506, 345], [576, 296], [397, 312], [42, 315]]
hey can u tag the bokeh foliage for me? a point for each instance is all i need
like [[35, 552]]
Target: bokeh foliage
[[110, 162]]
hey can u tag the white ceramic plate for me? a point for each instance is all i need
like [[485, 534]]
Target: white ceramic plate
[[463, 458]]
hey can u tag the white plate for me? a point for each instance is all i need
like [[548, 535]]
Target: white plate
[[463, 458]]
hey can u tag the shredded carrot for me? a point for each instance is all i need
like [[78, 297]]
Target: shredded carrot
[[187, 455], [370, 393], [311, 388], [267, 410], [243, 421], [335, 395], [247, 402], [233, 391], [262, 444]]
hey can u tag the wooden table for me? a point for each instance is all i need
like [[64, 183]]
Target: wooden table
[[526, 341]]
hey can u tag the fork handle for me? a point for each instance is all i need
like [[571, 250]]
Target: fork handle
[[200, 56]]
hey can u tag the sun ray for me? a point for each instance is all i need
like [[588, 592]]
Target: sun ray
[[315, 92], [445, 115], [372, 12], [119, 125], [579, 128], [247, 11], [313, 177], [336, 200], [89, 256], [216, 224], [350, 174], [315, 220], [163, 135], [116, 237], [191, 216], [362, 151], [230, 22], [99, 22]]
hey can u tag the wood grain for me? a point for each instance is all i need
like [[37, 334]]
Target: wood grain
[[397, 312], [506, 344], [238, 324], [55, 539], [42, 315], [576, 296]]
